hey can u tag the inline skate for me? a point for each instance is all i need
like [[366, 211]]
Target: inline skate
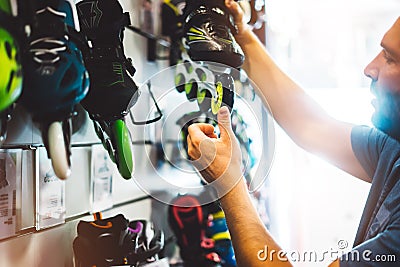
[[55, 78], [112, 90], [192, 51], [208, 38]]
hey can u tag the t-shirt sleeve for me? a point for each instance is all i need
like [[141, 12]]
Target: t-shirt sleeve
[[367, 144], [382, 250]]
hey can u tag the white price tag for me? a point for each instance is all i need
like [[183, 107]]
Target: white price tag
[[101, 179], [10, 170], [51, 194]]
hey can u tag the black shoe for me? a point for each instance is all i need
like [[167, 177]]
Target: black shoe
[[209, 32], [104, 242], [112, 90]]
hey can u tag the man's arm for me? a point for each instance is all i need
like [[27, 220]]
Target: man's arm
[[253, 244], [219, 161], [297, 113]]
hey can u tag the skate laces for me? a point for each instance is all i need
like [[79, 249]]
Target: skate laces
[[218, 16], [46, 50]]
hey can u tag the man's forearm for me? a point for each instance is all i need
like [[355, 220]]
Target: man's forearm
[[253, 244]]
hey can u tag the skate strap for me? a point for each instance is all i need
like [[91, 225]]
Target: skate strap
[[135, 227], [97, 216], [216, 13], [123, 22], [101, 53], [155, 246], [44, 25]]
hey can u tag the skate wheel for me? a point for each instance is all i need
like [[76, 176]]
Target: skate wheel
[[191, 90], [180, 82], [123, 148], [216, 101], [201, 74], [58, 151], [224, 92], [202, 96]]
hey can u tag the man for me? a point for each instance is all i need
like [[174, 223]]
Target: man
[[372, 155]]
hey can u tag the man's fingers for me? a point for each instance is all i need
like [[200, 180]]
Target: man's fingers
[[224, 122], [200, 131], [235, 11]]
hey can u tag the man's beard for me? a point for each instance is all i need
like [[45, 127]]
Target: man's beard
[[390, 126]]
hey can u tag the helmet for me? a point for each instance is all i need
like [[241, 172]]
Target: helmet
[[11, 71], [55, 76]]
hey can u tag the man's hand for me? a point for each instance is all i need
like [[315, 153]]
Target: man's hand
[[217, 159], [238, 17]]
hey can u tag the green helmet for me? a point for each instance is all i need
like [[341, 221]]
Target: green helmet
[[11, 72]]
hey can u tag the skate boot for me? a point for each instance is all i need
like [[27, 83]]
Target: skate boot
[[55, 79], [172, 26], [11, 69], [104, 242], [209, 29], [112, 90], [149, 243], [186, 219]]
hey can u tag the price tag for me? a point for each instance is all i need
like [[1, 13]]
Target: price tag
[[10, 171], [101, 179], [51, 194]]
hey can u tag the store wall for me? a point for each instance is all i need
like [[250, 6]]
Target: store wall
[[39, 212]]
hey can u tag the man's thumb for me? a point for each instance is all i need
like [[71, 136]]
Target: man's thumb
[[224, 122]]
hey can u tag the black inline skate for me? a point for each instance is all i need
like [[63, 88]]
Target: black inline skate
[[212, 55], [112, 90], [209, 32]]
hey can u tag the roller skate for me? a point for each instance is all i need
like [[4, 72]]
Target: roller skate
[[104, 242], [213, 52], [209, 32], [172, 26], [11, 69], [54, 72], [112, 90], [210, 88], [186, 219], [149, 243]]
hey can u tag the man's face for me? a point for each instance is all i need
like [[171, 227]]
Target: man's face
[[384, 70]]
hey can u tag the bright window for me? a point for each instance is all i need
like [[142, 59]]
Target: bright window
[[324, 46]]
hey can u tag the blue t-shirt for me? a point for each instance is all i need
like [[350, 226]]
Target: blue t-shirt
[[377, 242]]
